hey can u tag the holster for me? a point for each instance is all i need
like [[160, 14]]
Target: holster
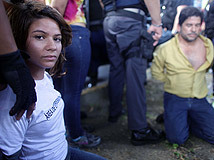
[[144, 41], [146, 44]]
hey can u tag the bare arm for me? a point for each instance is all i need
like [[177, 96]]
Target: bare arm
[[153, 7], [101, 4], [59, 5], [175, 24], [7, 42]]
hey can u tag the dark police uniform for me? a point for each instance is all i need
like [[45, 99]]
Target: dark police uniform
[[122, 26]]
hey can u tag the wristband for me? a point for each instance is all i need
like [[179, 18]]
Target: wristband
[[174, 32], [158, 25]]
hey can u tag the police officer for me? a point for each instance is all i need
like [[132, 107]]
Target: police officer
[[124, 22]]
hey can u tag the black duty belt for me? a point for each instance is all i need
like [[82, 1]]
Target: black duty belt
[[126, 13]]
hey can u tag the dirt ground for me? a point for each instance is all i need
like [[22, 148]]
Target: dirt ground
[[116, 137]]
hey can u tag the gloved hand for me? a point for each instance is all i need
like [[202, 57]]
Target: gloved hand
[[15, 73]]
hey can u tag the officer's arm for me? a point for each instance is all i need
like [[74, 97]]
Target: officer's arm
[[153, 7]]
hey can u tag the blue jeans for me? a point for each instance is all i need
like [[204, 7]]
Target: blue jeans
[[182, 115], [71, 85], [76, 154], [73, 154]]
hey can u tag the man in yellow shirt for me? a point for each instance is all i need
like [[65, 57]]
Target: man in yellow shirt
[[181, 63]]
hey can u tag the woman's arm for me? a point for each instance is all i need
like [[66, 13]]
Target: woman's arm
[[59, 5]]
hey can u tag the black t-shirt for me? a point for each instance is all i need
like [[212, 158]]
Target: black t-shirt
[[95, 15], [95, 10]]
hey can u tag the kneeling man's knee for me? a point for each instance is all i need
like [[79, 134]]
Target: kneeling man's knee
[[209, 138]]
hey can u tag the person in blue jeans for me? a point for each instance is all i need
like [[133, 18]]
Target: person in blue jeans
[[76, 67], [170, 24], [181, 63]]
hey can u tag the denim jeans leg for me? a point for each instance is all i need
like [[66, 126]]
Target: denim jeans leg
[[202, 120], [71, 85], [77, 154], [176, 118]]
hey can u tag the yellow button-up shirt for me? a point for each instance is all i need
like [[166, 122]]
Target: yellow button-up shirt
[[172, 67]]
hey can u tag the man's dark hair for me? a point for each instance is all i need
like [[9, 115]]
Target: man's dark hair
[[190, 12]]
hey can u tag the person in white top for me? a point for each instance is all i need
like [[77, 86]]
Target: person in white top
[[42, 33]]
